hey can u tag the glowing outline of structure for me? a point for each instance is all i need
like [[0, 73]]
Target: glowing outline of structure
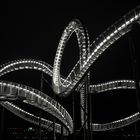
[[96, 127], [100, 44], [37, 99]]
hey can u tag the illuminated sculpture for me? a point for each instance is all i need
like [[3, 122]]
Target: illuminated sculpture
[[89, 53]]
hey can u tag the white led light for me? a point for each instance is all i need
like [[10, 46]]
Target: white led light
[[115, 31], [119, 29], [132, 19], [108, 37]]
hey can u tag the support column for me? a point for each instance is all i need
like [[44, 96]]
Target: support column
[[133, 54], [90, 116], [2, 124], [54, 137], [40, 111], [61, 132], [73, 114]]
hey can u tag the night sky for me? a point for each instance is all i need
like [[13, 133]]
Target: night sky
[[32, 30]]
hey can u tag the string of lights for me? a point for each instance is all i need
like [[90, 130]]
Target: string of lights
[[63, 86]]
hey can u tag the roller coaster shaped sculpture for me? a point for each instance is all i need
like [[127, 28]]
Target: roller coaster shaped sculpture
[[89, 53]]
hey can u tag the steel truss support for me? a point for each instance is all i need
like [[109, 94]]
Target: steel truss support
[[90, 133], [2, 124], [40, 111], [54, 135], [86, 127], [73, 113], [133, 54]]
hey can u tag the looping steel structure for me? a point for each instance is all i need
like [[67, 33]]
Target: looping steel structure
[[63, 86]]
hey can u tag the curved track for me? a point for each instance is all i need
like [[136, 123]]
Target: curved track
[[64, 86], [112, 85], [34, 119], [38, 99], [99, 45]]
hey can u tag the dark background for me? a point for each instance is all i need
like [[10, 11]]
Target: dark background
[[33, 30]]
